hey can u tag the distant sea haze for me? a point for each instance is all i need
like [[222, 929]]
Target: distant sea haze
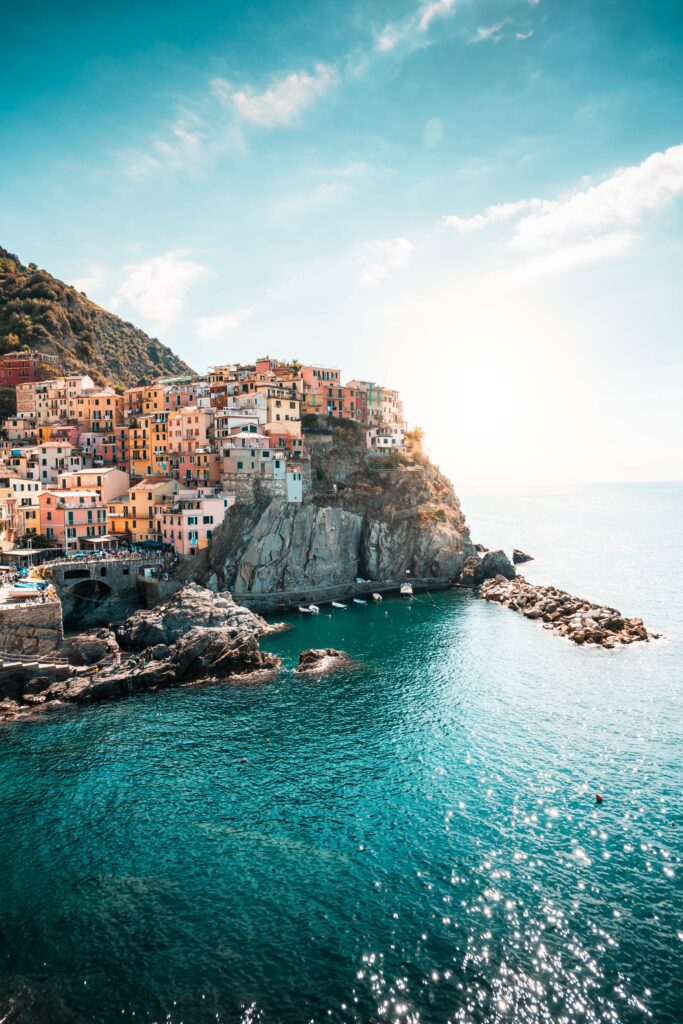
[[416, 839]]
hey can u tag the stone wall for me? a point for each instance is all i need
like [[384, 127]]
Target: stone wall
[[30, 631]]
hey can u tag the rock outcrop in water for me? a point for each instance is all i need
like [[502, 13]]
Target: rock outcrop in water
[[580, 621], [519, 557], [318, 660], [365, 515]]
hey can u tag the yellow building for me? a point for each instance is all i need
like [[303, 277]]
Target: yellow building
[[132, 515], [148, 445]]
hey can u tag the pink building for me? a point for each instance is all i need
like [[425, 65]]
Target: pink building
[[200, 469], [188, 520], [73, 520], [188, 429]]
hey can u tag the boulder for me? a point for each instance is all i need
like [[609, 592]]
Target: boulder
[[90, 648], [494, 563], [521, 556], [316, 660], [191, 606]]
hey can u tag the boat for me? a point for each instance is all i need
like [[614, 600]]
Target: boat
[[313, 609], [406, 590], [305, 610], [338, 604], [359, 600], [376, 597], [24, 592]]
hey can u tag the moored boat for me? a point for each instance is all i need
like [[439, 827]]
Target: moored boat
[[376, 597], [313, 609], [338, 604], [406, 590], [359, 600]]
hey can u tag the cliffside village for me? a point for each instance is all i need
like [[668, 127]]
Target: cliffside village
[[86, 468]]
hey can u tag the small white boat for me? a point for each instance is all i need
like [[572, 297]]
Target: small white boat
[[338, 604], [313, 609], [376, 597], [406, 590], [359, 600], [304, 610]]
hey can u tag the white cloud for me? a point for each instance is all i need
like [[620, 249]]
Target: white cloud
[[414, 28], [492, 215], [488, 33], [180, 148], [213, 328], [593, 222], [282, 102], [157, 288], [93, 278], [524, 35], [383, 257], [620, 201]]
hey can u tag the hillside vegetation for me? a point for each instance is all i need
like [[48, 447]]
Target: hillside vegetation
[[40, 312]]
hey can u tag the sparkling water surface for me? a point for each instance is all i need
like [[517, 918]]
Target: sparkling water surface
[[416, 839]]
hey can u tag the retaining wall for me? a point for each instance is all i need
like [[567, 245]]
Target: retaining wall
[[31, 631]]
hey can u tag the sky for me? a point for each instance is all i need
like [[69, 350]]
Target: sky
[[479, 202]]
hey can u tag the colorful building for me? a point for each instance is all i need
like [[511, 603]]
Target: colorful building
[[73, 520]]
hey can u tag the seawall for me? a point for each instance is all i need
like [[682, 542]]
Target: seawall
[[282, 600]]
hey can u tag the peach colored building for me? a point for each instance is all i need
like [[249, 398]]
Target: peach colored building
[[107, 482], [188, 429], [99, 409]]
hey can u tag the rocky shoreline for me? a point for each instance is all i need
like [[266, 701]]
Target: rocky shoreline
[[201, 635], [578, 620]]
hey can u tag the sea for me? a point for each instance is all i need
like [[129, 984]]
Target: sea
[[413, 839]]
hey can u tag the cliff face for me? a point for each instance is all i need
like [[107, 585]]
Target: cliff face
[[38, 310], [369, 516]]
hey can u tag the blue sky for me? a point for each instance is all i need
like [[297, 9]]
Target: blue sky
[[477, 201]]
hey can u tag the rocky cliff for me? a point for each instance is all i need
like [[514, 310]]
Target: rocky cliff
[[366, 515]]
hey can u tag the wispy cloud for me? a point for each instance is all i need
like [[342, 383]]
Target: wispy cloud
[[593, 222], [157, 288], [413, 30], [282, 102], [213, 328], [326, 186], [383, 257], [488, 33], [565, 258], [179, 146], [524, 35]]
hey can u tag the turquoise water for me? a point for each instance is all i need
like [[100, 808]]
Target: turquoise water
[[413, 840]]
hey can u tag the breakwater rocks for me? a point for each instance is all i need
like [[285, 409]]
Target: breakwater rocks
[[580, 621]]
